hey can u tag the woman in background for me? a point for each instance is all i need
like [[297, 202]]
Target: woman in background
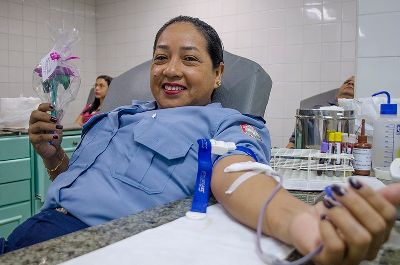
[[100, 90]]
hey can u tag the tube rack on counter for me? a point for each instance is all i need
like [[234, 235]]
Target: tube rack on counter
[[309, 169]]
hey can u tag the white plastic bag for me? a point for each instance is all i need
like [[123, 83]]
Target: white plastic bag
[[15, 112]]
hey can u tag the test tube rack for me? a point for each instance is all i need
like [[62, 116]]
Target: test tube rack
[[302, 168]]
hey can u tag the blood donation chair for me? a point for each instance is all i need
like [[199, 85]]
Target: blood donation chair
[[245, 86]]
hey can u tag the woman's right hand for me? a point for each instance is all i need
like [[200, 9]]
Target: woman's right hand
[[44, 132]]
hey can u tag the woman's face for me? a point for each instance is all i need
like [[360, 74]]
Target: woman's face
[[181, 72], [101, 88]]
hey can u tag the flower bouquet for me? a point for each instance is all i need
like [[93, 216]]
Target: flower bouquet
[[56, 79]]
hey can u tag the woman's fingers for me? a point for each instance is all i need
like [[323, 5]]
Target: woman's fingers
[[44, 132], [369, 215], [41, 114], [391, 193], [356, 236], [333, 246], [45, 107]]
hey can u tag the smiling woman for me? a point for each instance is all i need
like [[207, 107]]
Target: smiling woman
[[183, 71], [146, 155]]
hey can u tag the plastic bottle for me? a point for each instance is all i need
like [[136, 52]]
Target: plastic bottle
[[386, 135], [362, 154]]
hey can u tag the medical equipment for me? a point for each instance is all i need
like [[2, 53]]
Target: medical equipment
[[314, 125], [386, 137], [203, 183], [309, 170]]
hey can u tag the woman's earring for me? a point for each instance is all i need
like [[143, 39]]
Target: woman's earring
[[219, 83]]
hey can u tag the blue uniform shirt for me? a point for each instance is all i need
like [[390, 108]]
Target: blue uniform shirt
[[140, 157]]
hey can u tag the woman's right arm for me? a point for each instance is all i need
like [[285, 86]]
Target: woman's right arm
[[46, 136]]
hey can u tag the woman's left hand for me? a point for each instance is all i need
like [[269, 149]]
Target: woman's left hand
[[350, 232]]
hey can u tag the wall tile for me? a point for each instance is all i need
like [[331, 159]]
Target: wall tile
[[348, 68], [375, 74], [294, 53], [14, 11], [294, 16], [330, 71], [311, 71], [381, 6], [348, 31], [373, 41], [30, 59], [312, 33], [312, 52], [15, 42], [4, 57], [3, 9], [331, 51], [309, 89], [294, 35], [277, 36], [29, 28], [331, 12], [348, 50], [331, 32], [15, 58], [349, 11], [15, 26], [312, 14], [29, 13], [3, 75], [3, 41]]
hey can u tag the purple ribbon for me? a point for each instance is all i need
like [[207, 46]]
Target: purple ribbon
[[57, 56]]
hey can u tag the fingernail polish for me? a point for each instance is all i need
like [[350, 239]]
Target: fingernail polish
[[338, 190], [55, 136], [51, 106], [58, 126], [355, 183], [53, 119], [328, 204]]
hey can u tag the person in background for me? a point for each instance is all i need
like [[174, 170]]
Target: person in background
[[346, 90], [146, 155], [100, 90]]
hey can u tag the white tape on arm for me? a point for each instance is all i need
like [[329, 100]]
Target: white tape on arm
[[221, 147], [255, 167]]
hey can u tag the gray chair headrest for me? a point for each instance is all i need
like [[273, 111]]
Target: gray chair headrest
[[245, 86]]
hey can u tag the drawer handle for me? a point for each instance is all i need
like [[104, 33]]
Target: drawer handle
[[10, 220], [74, 143]]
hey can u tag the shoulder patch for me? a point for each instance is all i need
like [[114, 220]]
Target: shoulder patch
[[250, 131]]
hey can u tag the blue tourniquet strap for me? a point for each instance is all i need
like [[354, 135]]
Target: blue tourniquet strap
[[247, 151], [203, 181]]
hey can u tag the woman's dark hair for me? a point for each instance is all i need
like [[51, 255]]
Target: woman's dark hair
[[96, 102], [214, 43]]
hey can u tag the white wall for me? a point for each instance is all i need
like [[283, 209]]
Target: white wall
[[24, 39], [306, 46], [378, 56]]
